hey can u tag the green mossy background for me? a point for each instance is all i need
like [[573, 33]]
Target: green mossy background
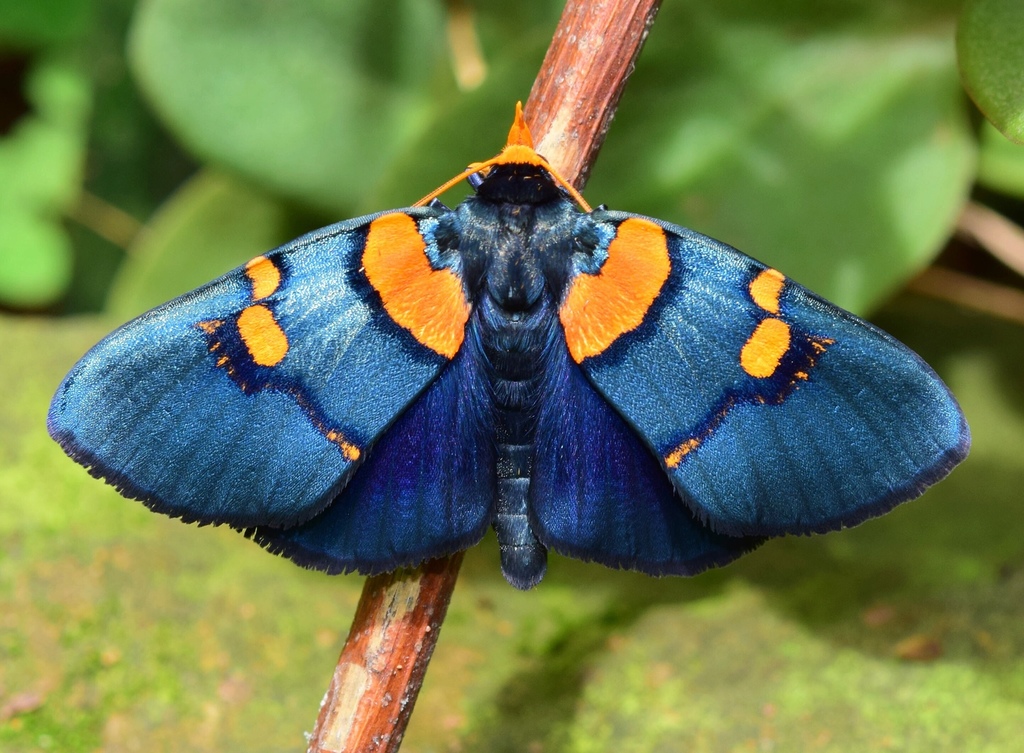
[[145, 148]]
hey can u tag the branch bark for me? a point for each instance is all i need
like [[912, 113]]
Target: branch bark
[[381, 667], [581, 80], [398, 620]]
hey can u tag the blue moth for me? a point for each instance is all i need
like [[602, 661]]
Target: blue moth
[[610, 386]]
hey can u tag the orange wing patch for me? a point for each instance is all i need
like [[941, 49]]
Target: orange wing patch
[[764, 349], [766, 288], [262, 335], [599, 308], [264, 276], [349, 450], [430, 303], [674, 458]]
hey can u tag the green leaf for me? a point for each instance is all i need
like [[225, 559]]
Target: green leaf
[[309, 99], [990, 46], [211, 225], [837, 151], [1001, 163], [35, 259], [41, 163]]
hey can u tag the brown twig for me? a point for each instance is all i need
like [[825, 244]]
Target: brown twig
[[384, 659], [106, 220], [584, 72], [993, 232], [970, 292], [399, 616]]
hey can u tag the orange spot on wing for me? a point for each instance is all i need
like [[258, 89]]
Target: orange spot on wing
[[430, 303], [349, 450], [676, 456], [264, 275], [765, 348], [599, 308], [262, 335], [766, 288]]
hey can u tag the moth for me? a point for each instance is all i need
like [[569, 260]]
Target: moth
[[606, 385]]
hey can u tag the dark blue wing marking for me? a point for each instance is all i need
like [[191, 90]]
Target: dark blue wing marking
[[427, 488], [599, 494], [848, 424], [175, 409]]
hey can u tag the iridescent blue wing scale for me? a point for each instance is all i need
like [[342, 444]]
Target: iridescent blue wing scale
[[252, 400], [771, 410]]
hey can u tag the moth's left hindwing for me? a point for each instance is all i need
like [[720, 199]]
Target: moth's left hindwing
[[771, 410], [251, 400]]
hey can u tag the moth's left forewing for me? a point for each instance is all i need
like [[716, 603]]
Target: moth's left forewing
[[772, 410], [253, 399]]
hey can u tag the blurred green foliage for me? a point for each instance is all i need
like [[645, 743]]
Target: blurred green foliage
[[40, 173], [992, 61], [146, 148], [832, 140], [784, 132]]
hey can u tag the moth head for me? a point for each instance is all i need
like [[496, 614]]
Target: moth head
[[519, 156]]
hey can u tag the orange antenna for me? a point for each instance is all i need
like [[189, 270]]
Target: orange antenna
[[518, 151]]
